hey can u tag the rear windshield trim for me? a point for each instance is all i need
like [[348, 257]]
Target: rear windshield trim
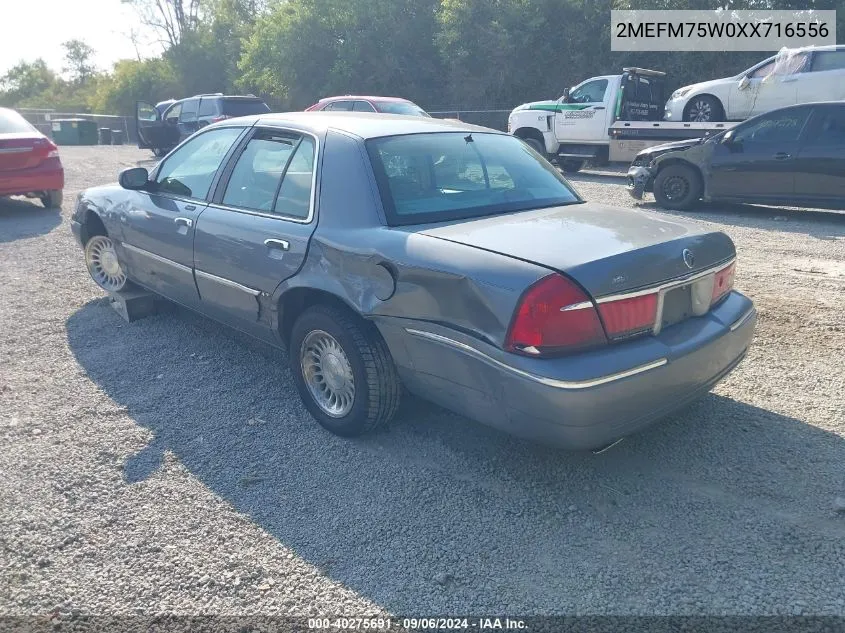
[[396, 219]]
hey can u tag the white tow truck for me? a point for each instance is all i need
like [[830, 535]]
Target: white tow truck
[[603, 119]]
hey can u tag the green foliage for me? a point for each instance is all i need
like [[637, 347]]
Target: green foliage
[[440, 53], [79, 59], [132, 80]]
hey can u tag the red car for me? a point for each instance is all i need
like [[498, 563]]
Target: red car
[[29, 161], [385, 105]]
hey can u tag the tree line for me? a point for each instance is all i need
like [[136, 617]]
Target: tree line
[[442, 54]]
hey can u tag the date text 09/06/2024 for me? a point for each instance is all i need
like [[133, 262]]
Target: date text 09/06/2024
[[414, 624]]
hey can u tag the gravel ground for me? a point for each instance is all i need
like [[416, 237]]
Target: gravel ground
[[168, 465]]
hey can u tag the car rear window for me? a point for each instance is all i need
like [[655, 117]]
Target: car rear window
[[13, 123], [455, 175], [401, 107], [244, 107]]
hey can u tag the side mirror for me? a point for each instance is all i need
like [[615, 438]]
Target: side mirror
[[728, 138], [133, 178], [565, 97], [744, 82]]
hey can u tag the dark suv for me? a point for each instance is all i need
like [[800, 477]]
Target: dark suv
[[161, 131]]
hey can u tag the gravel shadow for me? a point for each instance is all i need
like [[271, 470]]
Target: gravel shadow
[[437, 514], [21, 218]]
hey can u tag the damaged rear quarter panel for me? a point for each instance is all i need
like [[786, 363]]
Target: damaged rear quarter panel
[[394, 276]]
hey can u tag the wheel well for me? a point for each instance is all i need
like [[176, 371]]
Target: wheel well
[[294, 302], [92, 225], [683, 163], [706, 94], [530, 132]]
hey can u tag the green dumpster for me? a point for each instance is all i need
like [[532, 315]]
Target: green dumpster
[[75, 132]]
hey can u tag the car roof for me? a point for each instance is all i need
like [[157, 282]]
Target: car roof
[[362, 124], [364, 98]]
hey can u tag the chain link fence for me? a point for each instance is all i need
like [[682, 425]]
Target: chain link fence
[[43, 118], [496, 119]]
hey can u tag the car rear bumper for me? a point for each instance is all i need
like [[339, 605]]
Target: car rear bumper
[[47, 176], [579, 402]]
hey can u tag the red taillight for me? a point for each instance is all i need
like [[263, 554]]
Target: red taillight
[[723, 282], [554, 315], [627, 317], [45, 148]]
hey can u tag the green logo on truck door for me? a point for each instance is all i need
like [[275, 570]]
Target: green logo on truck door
[[558, 107]]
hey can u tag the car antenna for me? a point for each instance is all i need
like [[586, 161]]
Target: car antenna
[[468, 138]]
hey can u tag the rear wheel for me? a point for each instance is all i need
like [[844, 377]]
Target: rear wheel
[[571, 165], [677, 187], [704, 109], [343, 371], [52, 199], [103, 264]]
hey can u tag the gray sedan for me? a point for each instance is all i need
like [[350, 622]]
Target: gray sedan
[[387, 252]]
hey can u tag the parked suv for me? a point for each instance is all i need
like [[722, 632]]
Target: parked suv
[[161, 131]]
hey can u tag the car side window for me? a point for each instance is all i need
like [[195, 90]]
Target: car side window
[[258, 172], [189, 111], [828, 60], [340, 105], [829, 128], [294, 197], [208, 107], [590, 92], [172, 115], [189, 171], [784, 126], [763, 71], [363, 106]]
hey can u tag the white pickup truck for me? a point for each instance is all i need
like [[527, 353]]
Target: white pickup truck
[[608, 118]]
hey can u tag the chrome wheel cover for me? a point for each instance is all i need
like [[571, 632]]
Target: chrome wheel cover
[[103, 264], [327, 373]]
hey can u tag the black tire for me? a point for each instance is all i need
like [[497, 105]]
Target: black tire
[[377, 385], [536, 145], [571, 165], [677, 187], [52, 199], [704, 109]]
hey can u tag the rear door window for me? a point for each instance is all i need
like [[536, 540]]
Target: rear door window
[[363, 106], [344, 106], [208, 107], [828, 60], [274, 174], [828, 129]]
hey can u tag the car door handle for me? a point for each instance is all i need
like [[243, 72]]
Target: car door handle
[[599, 108], [184, 222], [282, 245], [782, 156], [190, 207]]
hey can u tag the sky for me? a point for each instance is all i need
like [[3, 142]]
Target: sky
[[105, 25]]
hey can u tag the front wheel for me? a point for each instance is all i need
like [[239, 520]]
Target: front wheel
[[536, 145], [52, 199], [103, 264], [677, 187], [343, 371], [704, 109]]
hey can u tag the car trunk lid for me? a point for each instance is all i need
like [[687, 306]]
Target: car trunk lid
[[22, 151], [608, 251]]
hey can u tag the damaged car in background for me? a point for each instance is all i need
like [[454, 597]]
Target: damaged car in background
[[386, 251], [793, 76], [793, 156]]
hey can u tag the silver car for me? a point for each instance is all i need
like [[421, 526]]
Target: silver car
[[388, 252]]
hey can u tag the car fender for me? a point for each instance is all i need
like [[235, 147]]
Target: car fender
[[107, 203], [697, 157]]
